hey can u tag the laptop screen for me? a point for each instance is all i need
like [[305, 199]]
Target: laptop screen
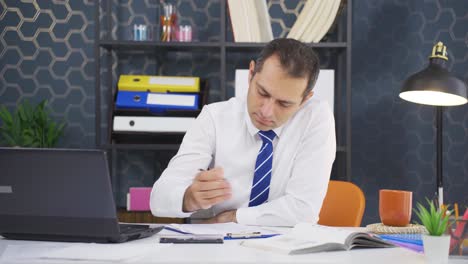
[[59, 191]]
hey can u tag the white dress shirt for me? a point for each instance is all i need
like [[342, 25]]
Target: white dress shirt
[[224, 136]]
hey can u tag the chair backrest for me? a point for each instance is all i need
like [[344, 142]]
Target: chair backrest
[[343, 205]]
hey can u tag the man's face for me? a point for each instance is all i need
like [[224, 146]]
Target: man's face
[[273, 95]]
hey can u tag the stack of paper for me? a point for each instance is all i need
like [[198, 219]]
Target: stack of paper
[[250, 20], [315, 20]]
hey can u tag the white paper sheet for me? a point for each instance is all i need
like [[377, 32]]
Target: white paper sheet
[[220, 229], [103, 252], [81, 251], [26, 252]]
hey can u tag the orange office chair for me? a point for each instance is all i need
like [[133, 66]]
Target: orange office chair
[[343, 205]]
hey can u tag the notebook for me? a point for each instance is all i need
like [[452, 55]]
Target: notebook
[[409, 241], [310, 238], [60, 195], [406, 238]]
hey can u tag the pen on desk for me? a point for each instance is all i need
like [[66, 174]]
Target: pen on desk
[[177, 230], [244, 235], [248, 235]]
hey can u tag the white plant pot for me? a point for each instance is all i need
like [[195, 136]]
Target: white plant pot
[[436, 248]]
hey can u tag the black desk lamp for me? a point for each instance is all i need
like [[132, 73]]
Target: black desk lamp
[[436, 86]]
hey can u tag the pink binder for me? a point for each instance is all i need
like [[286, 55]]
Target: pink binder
[[138, 199]]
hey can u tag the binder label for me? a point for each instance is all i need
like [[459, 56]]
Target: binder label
[[172, 81], [170, 99], [6, 189]]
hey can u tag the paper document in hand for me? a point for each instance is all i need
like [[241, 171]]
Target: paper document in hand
[[309, 238]]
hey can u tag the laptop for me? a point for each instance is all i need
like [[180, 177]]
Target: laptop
[[60, 195]]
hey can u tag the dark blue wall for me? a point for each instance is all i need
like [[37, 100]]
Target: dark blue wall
[[393, 140], [46, 51]]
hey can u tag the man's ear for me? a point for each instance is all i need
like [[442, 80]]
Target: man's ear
[[251, 69], [307, 97]]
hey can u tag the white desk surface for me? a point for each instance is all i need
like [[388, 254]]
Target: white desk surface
[[231, 252]]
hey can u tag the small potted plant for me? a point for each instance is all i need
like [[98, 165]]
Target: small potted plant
[[437, 241], [29, 126]]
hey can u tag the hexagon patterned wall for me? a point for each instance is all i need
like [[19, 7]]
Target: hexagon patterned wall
[[394, 140], [46, 52]]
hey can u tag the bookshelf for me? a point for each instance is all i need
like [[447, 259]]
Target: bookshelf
[[108, 50]]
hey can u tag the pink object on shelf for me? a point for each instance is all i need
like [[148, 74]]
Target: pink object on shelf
[[185, 33], [138, 199]]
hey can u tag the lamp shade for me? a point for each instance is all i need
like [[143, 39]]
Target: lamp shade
[[434, 85]]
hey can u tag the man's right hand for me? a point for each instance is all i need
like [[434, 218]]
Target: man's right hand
[[208, 188]]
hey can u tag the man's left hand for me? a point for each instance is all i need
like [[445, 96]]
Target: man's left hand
[[224, 217]]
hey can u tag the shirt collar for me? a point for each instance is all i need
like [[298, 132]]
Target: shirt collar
[[252, 129]]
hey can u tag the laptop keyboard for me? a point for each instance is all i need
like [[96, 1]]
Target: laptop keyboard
[[129, 228]]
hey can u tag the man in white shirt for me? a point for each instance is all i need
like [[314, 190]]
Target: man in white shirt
[[269, 155]]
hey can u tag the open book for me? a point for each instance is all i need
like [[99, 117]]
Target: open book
[[309, 238]]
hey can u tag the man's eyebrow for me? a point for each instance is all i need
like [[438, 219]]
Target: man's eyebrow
[[261, 87], [284, 102]]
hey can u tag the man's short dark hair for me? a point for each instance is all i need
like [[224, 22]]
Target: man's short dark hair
[[296, 58]]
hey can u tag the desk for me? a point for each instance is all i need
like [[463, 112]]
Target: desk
[[144, 217], [232, 252]]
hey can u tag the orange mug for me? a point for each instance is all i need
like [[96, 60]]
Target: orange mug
[[395, 207]]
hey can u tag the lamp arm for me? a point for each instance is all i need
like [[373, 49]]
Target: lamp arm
[[439, 151]]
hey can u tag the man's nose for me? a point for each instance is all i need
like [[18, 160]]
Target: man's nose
[[267, 108]]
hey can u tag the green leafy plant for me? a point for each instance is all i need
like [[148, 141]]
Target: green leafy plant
[[435, 220], [29, 126]]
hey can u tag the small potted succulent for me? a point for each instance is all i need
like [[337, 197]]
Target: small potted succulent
[[437, 241]]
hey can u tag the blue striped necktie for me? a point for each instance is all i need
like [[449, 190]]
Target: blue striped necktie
[[263, 166]]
